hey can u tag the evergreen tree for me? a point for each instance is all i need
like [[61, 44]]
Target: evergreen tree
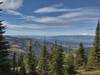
[[69, 67], [14, 63], [69, 58], [71, 70], [80, 56], [57, 61], [20, 60], [21, 64], [91, 59], [94, 56], [31, 59], [97, 45], [43, 64], [4, 53]]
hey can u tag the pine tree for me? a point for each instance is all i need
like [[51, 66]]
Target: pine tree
[[91, 59], [53, 61], [43, 64], [4, 53], [97, 45], [57, 61], [71, 70], [31, 59], [20, 60], [69, 66], [21, 65], [80, 56], [14, 63], [69, 58], [94, 54]]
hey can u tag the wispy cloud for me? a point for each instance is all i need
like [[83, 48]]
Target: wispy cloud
[[49, 9], [49, 20], [24, 26], [54, 9], [27, 27], [83, 12], [10, 7], [69, 16], [30, 26], [13, 12], [11, 4]]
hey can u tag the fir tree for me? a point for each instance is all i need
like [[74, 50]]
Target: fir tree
[[71, 70], [91, 59], [43, 64], [80, 56], [4, 53], [14, 63], [69, 58], [94, 56], [57, 61], [20, 60], [31, 58], [97, 45], [69, 67], [21, 65]]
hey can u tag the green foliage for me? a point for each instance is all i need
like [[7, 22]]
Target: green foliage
[[31, 58], [4, 60], [21, 65], [21, 60], [69, 68], [94, 55], [69, 58], [43, 65], [97, 45], [91, 58], [80, 56], [57, 61], [14, 62]]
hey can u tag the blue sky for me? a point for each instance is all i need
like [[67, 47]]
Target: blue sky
[[50, 17]]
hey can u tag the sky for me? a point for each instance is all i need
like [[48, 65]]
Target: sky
[[50, 17]]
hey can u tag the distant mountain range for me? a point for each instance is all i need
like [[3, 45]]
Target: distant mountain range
[[68, 41], [38, 41]]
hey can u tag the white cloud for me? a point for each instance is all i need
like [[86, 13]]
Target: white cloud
[[50, 20], [27, 27], [24, 26], [10, 7], [77, 15], [82, 12], [11, 4], [51, 9], [13, 12], [28, 18]]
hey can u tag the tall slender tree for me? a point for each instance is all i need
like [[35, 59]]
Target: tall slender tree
[[14, 63], [4, 53], [69, 66], [21, 65], [57, 61], [97, 45], [43, 64], [31, 58], [80, 56], [91, 63], [95, 51]]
